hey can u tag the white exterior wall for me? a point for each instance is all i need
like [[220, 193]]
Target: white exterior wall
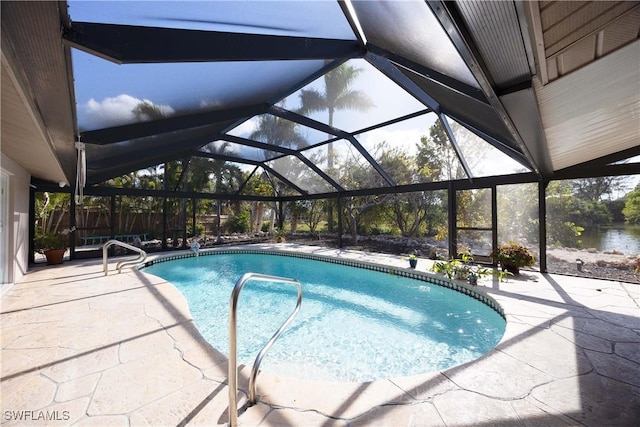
[[18, 200]]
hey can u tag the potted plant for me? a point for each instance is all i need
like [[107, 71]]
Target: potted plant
[[513, 257], [462, 269], [455, 268], [280, 235], [53, 245], [413, 261]]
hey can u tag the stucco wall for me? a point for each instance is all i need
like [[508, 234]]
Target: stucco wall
[[18, 248]]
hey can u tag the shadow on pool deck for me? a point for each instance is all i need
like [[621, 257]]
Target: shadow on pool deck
[[123, 350]]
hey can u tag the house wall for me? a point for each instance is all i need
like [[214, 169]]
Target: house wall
[[18, 231]]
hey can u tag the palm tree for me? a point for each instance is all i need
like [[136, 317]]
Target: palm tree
[[282, 133], [145, 110], [278, 131], [337, 96], [225, 173]]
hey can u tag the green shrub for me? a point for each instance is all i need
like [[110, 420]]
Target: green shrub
[[513, 256], [238, 223], [199, 230]]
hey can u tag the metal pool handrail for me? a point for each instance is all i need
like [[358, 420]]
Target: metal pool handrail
[[233, 350], [141, 257]]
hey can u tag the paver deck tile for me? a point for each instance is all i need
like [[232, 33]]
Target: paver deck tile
[[123, 350]]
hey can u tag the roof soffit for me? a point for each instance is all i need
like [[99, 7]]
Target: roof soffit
[[569, 35], [33, 31], [585, 121], [23, 133]]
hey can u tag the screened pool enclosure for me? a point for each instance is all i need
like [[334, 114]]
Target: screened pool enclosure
[[444, 126]]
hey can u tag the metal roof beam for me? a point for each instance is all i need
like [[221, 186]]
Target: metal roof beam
[[465, 184], [590, 172], [285, 151], [250, 162], [280, 112], [372, 161], [142, 155], [306, 121], [127, 163], [170, 124], [142, 192], [393, 121], [399, 78], [226, 158], [283, 179], [128, 44], [256, 144], [320, 172], [454, 144], [509, 151], [603, 166], [453, 24], [481, 182], [443, 79]]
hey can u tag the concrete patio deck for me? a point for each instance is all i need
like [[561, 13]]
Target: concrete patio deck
[[82, 349]]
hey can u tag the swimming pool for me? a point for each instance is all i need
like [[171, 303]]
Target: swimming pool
[[355, 324]]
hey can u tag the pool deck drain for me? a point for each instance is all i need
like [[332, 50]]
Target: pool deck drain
[[79, 348]]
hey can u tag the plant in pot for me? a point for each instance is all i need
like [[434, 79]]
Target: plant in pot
[[512, 257], [53, 245], [459, 268], [413, 261], [280, 235], [463, 269]]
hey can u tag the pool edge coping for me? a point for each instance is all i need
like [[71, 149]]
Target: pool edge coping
[[383, 268]]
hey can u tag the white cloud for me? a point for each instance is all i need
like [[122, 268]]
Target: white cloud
[[114, 111]]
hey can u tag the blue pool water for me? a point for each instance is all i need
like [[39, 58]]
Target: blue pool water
[[354, 325]]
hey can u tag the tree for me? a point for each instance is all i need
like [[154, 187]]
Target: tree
[[410, 212], [278, 131], [518, 219], [228, 176], [51, 212], [562, 210], [631, 208], [594, 189], [436, 157], [355, 174], [357, 207], [314, 209], [282, 133], [437, 160], [148, 209], [594, 208], [258, 185], [146, 111], [338, 95], [296, 209]]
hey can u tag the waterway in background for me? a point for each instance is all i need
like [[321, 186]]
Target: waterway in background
[[618, 237]]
